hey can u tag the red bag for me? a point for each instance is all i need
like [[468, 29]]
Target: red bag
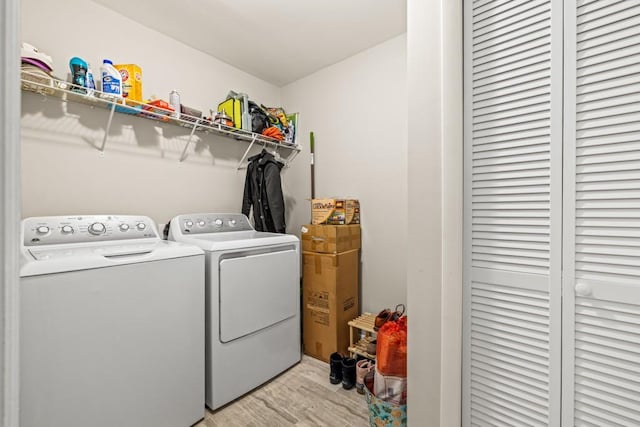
[[391, 351]]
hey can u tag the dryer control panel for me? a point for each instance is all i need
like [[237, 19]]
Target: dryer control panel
[[53, 230], [213, 223]]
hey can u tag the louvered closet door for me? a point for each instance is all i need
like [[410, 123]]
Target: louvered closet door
[[513, 207], [601, 384]]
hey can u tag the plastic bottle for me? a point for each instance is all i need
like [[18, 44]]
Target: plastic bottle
[[91, 83], [111, 80], [174, 101], [79, 69]]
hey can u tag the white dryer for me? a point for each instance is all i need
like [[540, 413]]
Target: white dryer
[[112, 324], [253, 301]]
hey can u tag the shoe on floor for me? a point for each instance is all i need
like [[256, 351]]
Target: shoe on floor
[[335, 364], [348, 373], [363, 367]]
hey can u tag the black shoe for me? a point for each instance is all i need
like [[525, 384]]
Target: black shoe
[[335, 363], [348, 373]]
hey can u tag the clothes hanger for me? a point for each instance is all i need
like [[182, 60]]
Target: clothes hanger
[[277, 155]]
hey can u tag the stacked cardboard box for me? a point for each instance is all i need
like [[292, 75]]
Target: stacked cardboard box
[[335, 211], [331, 261]]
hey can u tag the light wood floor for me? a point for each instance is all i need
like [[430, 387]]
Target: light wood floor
[[301, 396]]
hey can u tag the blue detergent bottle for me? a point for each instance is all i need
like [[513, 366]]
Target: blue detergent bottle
[[79, 70]]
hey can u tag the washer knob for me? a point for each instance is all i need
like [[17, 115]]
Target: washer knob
[[201, 223], [141, 226], [97, 228], [66, 229], [232, 222], [188, 223], [124, 227], [218, 222], [43, 229]]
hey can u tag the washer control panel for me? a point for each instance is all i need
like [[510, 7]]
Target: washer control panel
[[53, 230], [213, 223]]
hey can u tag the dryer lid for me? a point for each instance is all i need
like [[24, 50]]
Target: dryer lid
[[220, 232]]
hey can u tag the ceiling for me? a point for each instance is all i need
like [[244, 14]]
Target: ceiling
[[279, 41]]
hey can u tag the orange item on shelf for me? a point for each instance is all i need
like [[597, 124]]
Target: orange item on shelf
[[273, 132], [160, 108]]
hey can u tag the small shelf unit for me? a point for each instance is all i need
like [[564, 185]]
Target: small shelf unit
[[52, 87], [361, 333]]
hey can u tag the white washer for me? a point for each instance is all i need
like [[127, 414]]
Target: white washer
[[253, 301], [112, 324]]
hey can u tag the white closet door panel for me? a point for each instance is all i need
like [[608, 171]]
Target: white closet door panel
[[531, 26], [514, 67], [534, 55], [524, 90], [502, 23], [517, 182], [488, 116], [518, 100], [510, 50], [498, 10], [621, 117], [534, 114], [481, 6], [510, 363], [601, 366], [592, 6], [610, 69], [609, 17], [607, 95], [526, 123], [511, 190], [603, 168], [488, 152], [624, 25], [512, 239], [529, 134], [609, 147]]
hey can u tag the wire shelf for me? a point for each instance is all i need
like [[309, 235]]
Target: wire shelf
[[49, 86]]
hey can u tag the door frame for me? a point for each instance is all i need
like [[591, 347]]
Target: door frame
[[10, 207]]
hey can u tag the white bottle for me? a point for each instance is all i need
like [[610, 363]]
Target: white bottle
[[111, 80], [174, 101]]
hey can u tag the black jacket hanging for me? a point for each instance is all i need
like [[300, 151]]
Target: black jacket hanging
[[263, 191]]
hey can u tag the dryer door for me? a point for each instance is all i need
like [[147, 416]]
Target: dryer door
[[257, 291]]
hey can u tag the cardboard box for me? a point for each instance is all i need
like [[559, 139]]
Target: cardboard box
[[353, 211], [335, 211], [330, 238], [330, 300]]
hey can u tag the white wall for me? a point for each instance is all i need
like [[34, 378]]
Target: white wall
[[357, 111], [63, 172], [434, 288]]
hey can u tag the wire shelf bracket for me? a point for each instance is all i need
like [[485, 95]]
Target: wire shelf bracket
[[107, 129], [183, 156], [246, 152]]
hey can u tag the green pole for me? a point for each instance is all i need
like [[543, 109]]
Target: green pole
[[313, 174]]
